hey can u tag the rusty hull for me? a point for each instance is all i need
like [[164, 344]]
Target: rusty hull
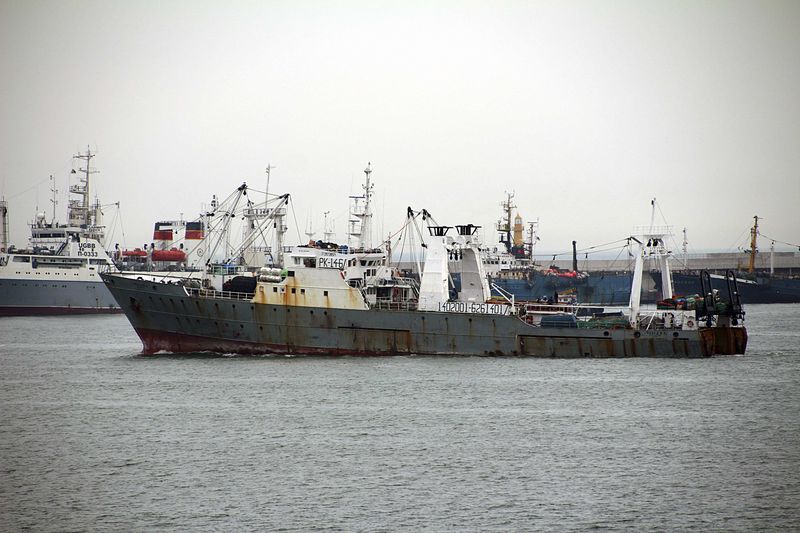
[[168, 319]]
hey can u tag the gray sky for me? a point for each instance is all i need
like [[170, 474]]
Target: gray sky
[[585, 109]]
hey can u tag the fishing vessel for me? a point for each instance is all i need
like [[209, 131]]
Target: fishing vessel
[[58, 273], [310, 307], [510, 265], [755, 286]]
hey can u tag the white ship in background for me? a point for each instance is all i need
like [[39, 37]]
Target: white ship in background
[[58, 272]]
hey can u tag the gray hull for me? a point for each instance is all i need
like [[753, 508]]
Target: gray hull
[[173, 319], [21, 297]]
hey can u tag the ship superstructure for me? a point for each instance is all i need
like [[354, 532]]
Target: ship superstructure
[[209, 253], [362, 265], [174, 248]]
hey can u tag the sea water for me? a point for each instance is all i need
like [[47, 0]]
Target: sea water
[[94, 436]]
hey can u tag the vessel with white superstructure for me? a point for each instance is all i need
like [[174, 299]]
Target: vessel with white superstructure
[[311, 306], [58, 272]]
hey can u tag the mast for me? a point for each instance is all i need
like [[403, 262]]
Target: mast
[[3, 225], [772, 258], [79, 214], [504, 225], [309, 229], [360, 223], [652, 212], [327, 234], [753, 235], [278, 214], [266, 192], [53, 200], [85, 218], [685, 253], [280, 230], [508, 221], [366, 223], [255, 217], [532, 237]]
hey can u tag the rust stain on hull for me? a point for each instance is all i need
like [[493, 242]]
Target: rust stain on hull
[[167, 318], [159, 341]]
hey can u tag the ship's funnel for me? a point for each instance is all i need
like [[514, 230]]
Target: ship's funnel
[[163, 235], [195, 233], [574, 256]]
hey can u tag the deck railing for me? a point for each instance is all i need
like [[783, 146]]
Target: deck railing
[[387, 304], [224, 295]]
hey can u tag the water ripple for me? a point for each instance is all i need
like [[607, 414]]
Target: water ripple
[[92, 437]]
